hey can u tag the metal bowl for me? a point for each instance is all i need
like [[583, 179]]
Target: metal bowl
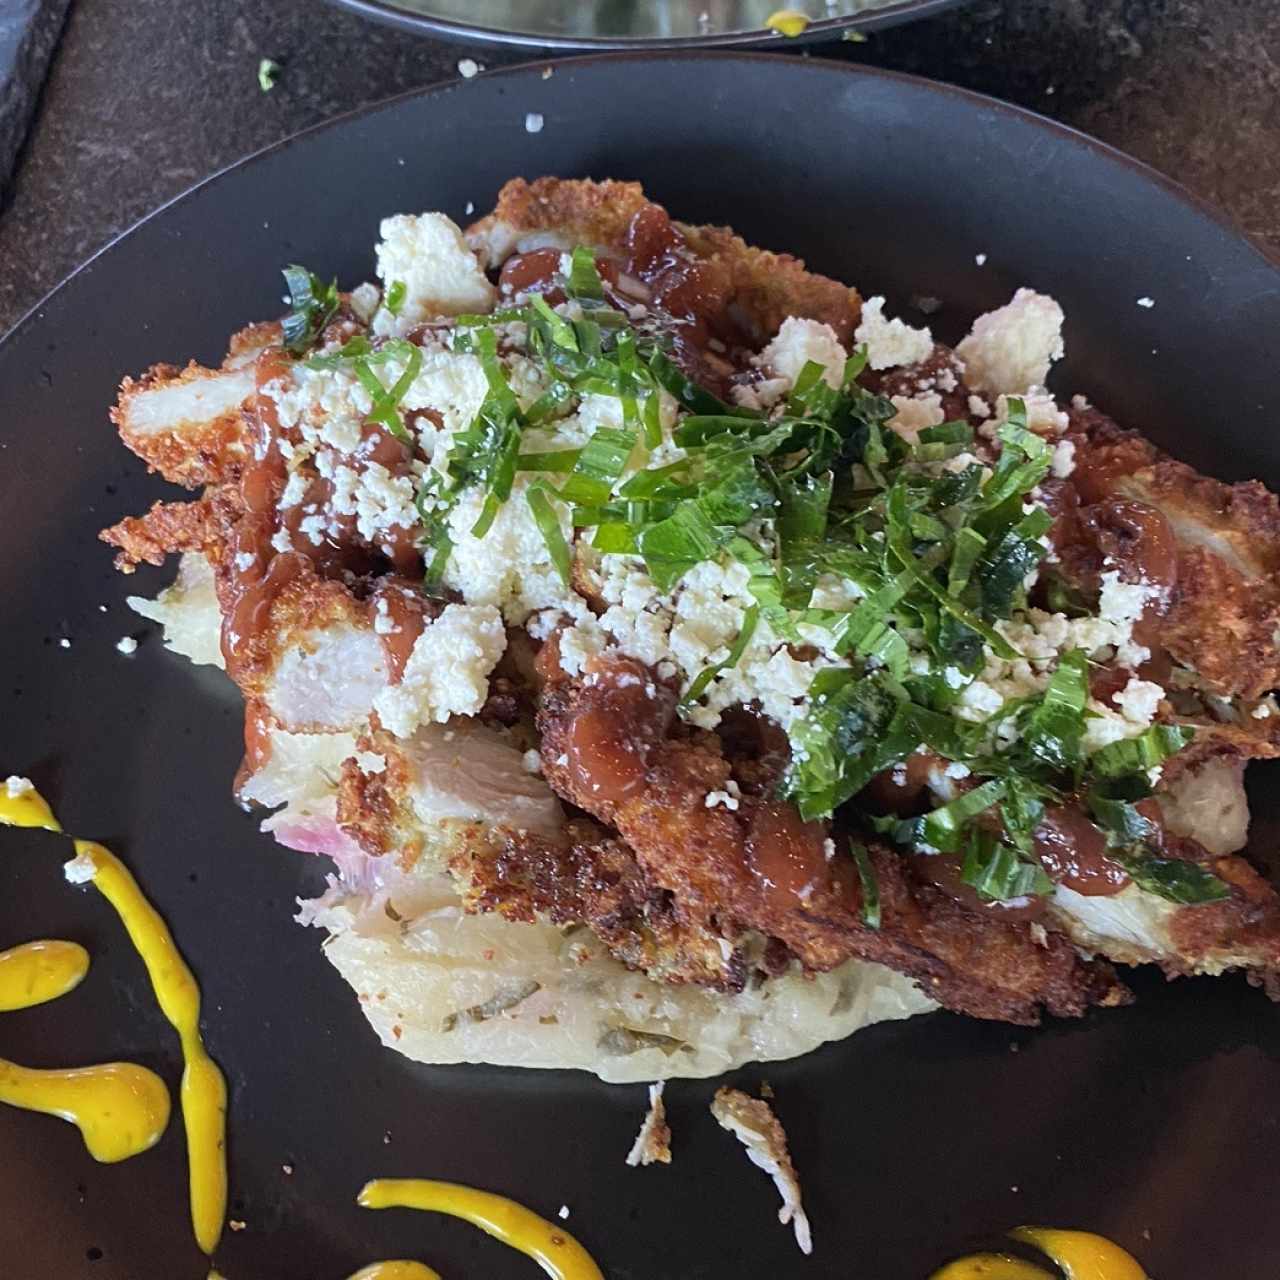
[[637, 24]]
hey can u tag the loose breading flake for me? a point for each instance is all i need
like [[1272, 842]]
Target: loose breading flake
[[653, 1142], [753, 1123]]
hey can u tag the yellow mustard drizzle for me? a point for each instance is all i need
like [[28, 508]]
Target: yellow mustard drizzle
[[204, 1091], [26, 809], [550, 1246], [396, 1270], [38, 972], [120, 1109], [990, 1266], [1081, 1255]]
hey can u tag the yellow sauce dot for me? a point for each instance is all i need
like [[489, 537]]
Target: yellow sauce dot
[[37, 972], [990, 1266], [396, 1270], [550, 1246], [1081, 1254], [120, 1109], [204, 1091], [788, 22]]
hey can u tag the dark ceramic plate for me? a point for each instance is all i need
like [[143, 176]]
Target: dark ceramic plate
[[1156, 1125], [639, 24]]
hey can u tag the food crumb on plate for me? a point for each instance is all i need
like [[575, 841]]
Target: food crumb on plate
[[1146, 302], [64, 643], [653, 1142], [127, 645], [753, 1123], [235, 1224], [563, 1212], [980, 259], [468, 67], [533, 122], [287, 1170]]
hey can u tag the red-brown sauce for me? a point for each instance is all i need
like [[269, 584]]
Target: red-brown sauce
[[611, 738], [258, 571], [691, 296], [786, 855], [1136, 538], [1074, 853], [406, 610], [904, 788]]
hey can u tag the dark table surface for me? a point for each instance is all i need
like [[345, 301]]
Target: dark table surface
[[146, 98]]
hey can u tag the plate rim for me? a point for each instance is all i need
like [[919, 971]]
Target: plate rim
[[1105, 151], [389, 13]]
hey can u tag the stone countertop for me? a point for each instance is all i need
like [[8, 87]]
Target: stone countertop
[[146, 99]]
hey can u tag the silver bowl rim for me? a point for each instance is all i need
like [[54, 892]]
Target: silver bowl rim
[[395, 13]]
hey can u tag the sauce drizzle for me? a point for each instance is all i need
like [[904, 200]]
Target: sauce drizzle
[[1081, 1255], [38, 972], [550, 1246], [397, 1269], [204, 1090], [120, 1109]]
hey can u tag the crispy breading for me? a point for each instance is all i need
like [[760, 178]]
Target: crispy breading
[[753, 1123], [767, 287], [701, 857], [188, 424], [1224, 615], [592, 877], [653, 1142], [173, 527]]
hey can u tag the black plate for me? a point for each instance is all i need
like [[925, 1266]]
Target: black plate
[[1155, 1125], [637, 24]]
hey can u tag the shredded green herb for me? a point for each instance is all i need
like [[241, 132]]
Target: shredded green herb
[[312, 304], [931, 549]]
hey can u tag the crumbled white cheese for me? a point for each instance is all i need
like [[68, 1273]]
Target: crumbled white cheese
[[127, 645], [532, 761], [1103, 726], [1010, 349], [448, 670], [797, 343], [915, 413], [978, 407], [1139, 701], [1120, 605], [1265, 709], [1043, 415], [370, 762], [80, 870], [509, 568], [1064, 459], [365, 299], [15, 786], [727, 799], [890, 342], [440, 274]]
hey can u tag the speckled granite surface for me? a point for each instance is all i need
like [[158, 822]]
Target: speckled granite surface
[[145, 99]]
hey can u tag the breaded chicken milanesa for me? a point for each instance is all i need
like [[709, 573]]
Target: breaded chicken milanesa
[[682, 662]]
